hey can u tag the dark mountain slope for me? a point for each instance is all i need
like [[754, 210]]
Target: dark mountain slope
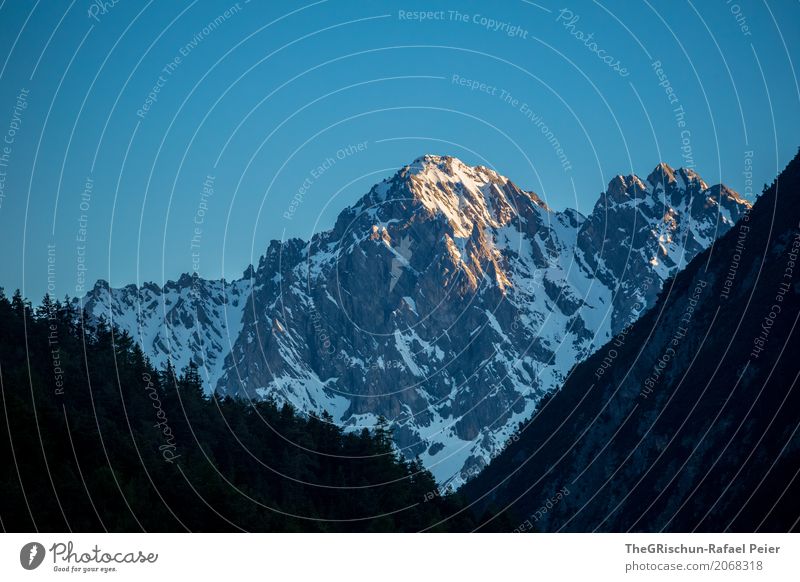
[[687, 420]]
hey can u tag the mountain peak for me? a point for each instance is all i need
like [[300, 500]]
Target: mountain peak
[[445, 186], [433, 165], [466, 195], [620, 188], [426, 160], [662, 174]]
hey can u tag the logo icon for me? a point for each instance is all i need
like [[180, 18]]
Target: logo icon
[[31, 555]]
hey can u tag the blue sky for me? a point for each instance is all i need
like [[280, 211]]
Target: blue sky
[[251, 99]]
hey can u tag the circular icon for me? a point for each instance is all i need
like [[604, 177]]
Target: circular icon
[[31, 555]]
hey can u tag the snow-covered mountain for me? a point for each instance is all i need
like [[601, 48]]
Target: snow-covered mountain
[[447, 300]]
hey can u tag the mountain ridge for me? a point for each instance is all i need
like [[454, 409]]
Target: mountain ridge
[[465, 295]]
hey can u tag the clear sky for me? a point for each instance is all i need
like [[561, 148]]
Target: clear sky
[[142, 140]]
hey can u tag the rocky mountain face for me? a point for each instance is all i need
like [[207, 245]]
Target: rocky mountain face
[[191, 319], [688, 419], [447, 300]]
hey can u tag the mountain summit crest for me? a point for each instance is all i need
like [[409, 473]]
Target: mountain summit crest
[[447, 299]]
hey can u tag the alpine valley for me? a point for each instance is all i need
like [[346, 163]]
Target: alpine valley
[[446, 300]]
